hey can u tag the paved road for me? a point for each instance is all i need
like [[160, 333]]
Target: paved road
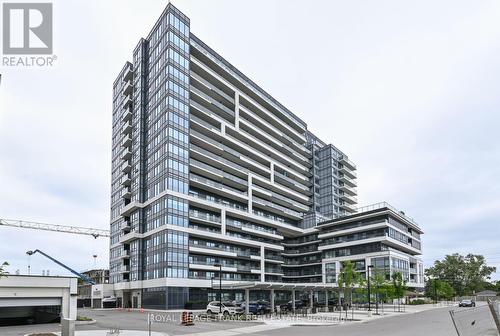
[[435, 322], [136, 320]]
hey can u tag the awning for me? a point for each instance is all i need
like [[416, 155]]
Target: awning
[[275, 285]]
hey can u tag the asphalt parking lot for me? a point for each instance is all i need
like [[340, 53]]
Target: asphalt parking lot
[[130, 320], [435, 322]]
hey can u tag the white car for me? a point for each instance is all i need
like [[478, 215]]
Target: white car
[[227, 308]]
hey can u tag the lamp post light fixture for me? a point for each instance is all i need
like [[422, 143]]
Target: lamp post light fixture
[[220, 286], [369, 293]]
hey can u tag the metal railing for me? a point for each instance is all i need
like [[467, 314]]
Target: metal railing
[[381, 205]]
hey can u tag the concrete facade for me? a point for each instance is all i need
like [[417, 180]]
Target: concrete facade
[[18, 292], [212, 177]]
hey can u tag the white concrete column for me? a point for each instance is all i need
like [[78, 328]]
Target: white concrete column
[[236, 110], [337, 271], [323, 273], [223, 221], [250, 193], [68, 304], [262, 264], [247, 301], [272, 301]]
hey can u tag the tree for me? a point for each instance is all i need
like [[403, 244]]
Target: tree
[[438, 289], [399, 285], [361, 289], [465, 274], [378, 283], [3, 272], [347, 278]]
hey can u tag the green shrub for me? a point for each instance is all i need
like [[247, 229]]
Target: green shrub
[[83, 318]]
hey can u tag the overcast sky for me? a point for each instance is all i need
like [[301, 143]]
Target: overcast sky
[[410, 90]]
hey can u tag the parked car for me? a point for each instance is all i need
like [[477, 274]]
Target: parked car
[[466, 303], [263, 307], [257, 307], [331, 302], [227, 308], [288, 306]]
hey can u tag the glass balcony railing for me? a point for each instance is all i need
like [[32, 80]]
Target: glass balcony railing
[[212, 101], [282, 198], [217, 200], [273, 257], [218, 158], [345, 161], [217, 171], [275, 206], [217, 185], [291, 181], [204, 216], [239, 252], [241, 224], [381, 205]]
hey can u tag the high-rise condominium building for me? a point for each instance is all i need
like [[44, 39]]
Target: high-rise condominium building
[[210, 173]]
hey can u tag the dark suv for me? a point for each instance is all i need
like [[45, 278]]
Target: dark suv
[[288, 306], [466, 303]]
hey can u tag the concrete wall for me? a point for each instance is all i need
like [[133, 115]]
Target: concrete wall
[[28, 290]]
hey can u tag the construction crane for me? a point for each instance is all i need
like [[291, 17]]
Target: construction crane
[[81, 276], [53, 227]]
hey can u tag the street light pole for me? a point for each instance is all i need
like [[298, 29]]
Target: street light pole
[[369, 294], [220, 286]]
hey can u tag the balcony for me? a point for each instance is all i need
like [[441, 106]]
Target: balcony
[[224, 190], [127, 141], [126, 167], [127, 127], [128, 88], [126, 154], [347, 181], [348, 163], [129, 72], [289, 182], [211, 103], [125, 254], [349, 199], [124, 269], [347, 171], [203, 216], [269, 206], [127, 102], [348, 207], [127, 238], [215, 173], [278, 198], [126, 180], [347, 190], [129, 208], [127, 194], [273, 270], [126, 227], [127, 115]]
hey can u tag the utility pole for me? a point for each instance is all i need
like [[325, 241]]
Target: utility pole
[[220, 286], [369, 293]]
